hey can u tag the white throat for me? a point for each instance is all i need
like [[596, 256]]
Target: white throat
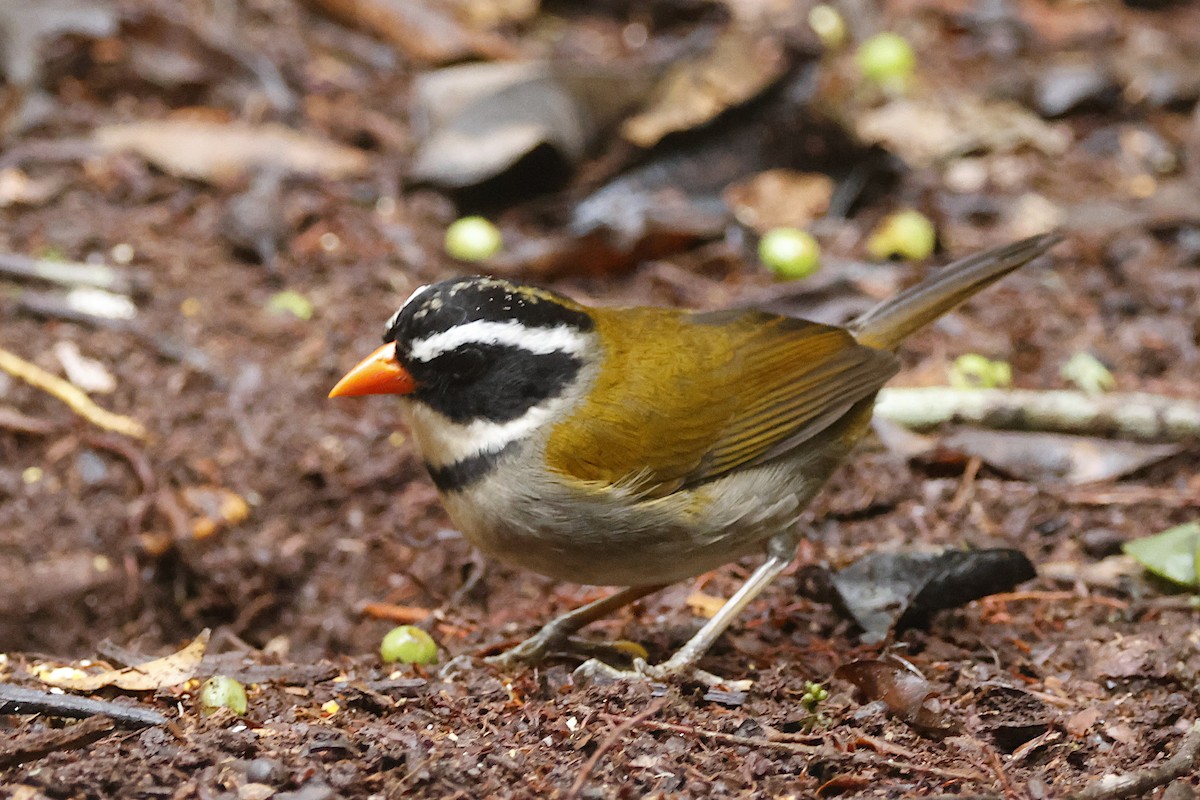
[[444, 442]]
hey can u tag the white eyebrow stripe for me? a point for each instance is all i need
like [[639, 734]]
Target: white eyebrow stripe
[[539, 341], [392, 319]]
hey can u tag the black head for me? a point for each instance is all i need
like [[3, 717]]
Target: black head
[[485, 348]]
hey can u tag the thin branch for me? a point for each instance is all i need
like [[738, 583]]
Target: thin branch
[[19, 700], [747, 741], [610, 741], [71, 273], [393, 612], [13, 420], [1135, 415], [75, 398], [1182, 762]]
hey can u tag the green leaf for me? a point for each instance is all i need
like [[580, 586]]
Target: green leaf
[[1172, 554]]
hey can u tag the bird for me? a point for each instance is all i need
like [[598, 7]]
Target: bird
[[639, 446]]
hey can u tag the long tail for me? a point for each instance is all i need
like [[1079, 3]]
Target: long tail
[[890, 322]]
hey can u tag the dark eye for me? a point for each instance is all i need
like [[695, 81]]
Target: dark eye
[[464, 364]]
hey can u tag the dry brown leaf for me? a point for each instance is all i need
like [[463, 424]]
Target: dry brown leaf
[[925, 131], [477, 120], [220, 152], [739, 67], [705, 605], [17, 188], [159, 673], [780, 198], [903, 690], [1051, 456], [490, 13], [429, 32]]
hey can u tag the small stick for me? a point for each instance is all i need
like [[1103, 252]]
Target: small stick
[[18, 700], [36, 745], [394, 612], [610, 741], [13, 420], [70, 273], [1001, 598], [72, 395], [733, 738], [1134, 414], [1139, 782]]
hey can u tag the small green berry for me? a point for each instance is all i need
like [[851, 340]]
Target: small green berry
[[221, 691], [826, 21], [789, 252], [472, 239], [408, 644], [814, 695], [1086, 372], [973, 371], [888, 60], [908, 234]]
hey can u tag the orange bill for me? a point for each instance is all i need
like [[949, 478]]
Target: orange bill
[[378, 373]]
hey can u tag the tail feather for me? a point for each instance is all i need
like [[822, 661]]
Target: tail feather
[[890, 322]]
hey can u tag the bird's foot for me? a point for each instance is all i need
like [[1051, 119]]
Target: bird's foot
[[531, 651], [596, 671], [539, 647]]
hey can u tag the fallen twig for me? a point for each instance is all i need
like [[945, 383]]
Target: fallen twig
[[733, 738], [71, 273], [75, 398], [33, 746], [13, 420], [609, 741], [1135, 415], [19, 700], [1114, 787], [1187, 497], [394, 612], [1001, 598]]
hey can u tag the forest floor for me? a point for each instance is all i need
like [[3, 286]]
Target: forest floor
[[299, 529]]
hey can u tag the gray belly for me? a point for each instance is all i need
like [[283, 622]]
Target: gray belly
[[611, 538]]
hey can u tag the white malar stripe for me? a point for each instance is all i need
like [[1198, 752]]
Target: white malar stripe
[[540, 341], [443, 442]]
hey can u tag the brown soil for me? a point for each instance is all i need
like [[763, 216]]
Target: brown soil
[[1048, 690]]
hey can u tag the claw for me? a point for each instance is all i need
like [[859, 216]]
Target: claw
[[594, 670]]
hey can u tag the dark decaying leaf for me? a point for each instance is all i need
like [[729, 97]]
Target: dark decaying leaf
[[477, 120], [903, 690], [1030, 456], [695, 171], [1050, 456], [219, 152], [1012, 715], [740, 65], [432, 33], [882, 590]]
